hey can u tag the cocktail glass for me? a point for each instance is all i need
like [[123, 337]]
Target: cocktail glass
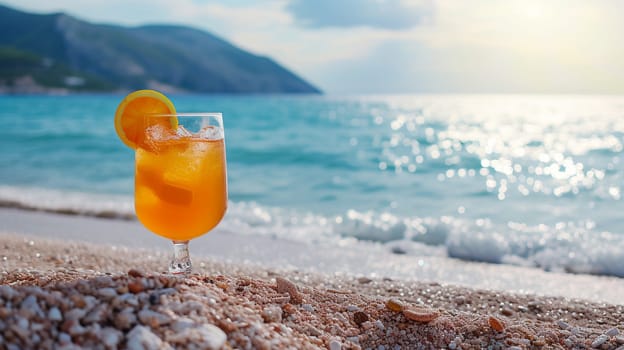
[[181, 179]]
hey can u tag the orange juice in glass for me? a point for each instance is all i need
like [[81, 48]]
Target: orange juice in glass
[[181, 179]]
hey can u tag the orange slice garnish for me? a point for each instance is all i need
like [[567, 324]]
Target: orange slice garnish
[[130, 121]]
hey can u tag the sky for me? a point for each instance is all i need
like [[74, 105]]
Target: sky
[[403, 46]]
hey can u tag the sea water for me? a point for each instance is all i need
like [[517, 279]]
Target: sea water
[[510, 179]]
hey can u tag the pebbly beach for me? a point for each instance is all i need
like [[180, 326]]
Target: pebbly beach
[[70, 294]]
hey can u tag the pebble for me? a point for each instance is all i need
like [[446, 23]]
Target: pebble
[[205, 336], [313, 331], [601, 339], [496, 324], [153, 318], [380, 325], [619, 339], [30, 307], [125, 320], [181, 324], [74, 328], [395, 305], [54, 314], [97, 315], [285, 286], [141, 338], [354, 339], [7, 292], [135, 273], [136, 287], [272, 314], [612, 332], [107, 292], [352, 308], [104, 281], [563, 324], [307, 307], [111, 337], [64, 338], [360, 317], [78, 301], [21, 327], [127, 298], [75, 314], [335, 345], [364, 280], [424, 315], [507, 311]]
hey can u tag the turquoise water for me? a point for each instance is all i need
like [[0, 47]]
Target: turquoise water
[[529, 180]]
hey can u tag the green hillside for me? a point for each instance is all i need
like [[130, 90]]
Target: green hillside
[[57, 49]]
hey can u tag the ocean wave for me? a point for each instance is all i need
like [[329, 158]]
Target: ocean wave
[[67, 202], [574, 247]]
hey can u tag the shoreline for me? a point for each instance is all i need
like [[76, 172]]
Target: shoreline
[[359, 260], [243, 302]]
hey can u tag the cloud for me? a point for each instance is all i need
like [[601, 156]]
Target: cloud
[[386, 14]]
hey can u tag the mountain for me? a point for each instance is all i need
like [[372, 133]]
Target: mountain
[[57, 51]]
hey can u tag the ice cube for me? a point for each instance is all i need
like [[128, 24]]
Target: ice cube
[[211, 132], [182, 132], [164, 186], [155, 136], [156, 132]]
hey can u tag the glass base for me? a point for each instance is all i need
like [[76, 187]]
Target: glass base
[[181, 261]]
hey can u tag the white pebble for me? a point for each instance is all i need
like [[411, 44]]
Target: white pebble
[[152, 318], [335, 345], [452, 345], [380, 325], [75, 314], [205, 336], [272, 314], [111, 337], [55, 314], [181, 324], [64, 338], [107, 292], [612, 332], [563, 324], [354, 340], [141, 338], [601, 339], [353, 308], [308, 307], [22, 323]]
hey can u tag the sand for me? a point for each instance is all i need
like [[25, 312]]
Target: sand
[[59, 294]]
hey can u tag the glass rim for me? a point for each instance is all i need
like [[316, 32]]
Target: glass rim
[[186, 114]]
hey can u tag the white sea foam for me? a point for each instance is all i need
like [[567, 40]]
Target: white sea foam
[[576, 247], [67, 202]]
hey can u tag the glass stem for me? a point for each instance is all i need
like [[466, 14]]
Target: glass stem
[[181, 260]]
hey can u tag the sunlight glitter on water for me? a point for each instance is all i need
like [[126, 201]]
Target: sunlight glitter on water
[[517, 144]]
